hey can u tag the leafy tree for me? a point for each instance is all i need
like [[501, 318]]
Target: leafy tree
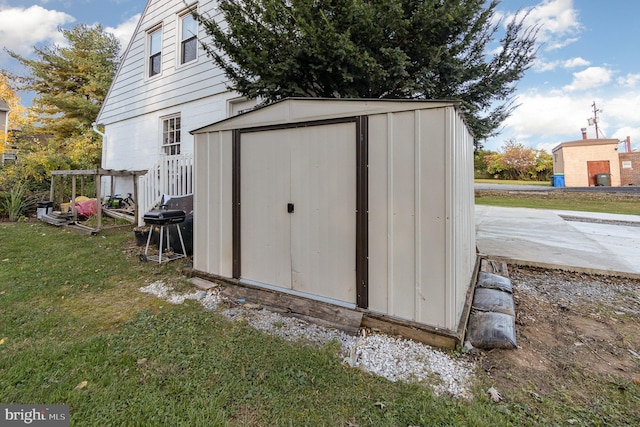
[[544, 166], [519, 162], [71, 82], [18, 117], [479, 164], [430, 49]]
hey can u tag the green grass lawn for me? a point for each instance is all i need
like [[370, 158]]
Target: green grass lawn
[[76, 330], [616, 203], [512, 182]]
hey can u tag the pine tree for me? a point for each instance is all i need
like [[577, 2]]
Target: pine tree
[[427, 49]]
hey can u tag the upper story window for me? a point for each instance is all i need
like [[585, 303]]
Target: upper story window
[[171, 135], [155, 52], [188, 38]]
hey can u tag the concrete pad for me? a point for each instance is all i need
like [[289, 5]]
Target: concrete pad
[[543, 237]]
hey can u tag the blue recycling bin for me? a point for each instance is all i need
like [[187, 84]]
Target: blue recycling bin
[[558, 180]]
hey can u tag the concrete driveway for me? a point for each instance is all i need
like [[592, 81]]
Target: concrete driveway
[[581, 241]]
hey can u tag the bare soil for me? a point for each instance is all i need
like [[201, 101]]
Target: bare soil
[[573, 330]]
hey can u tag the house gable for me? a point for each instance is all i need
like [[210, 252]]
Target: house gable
[[134, 92]]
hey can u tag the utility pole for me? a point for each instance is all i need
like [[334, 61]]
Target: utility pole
[[595, 118]]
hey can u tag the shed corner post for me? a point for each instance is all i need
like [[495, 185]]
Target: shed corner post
[[236, 227], [362, 211]]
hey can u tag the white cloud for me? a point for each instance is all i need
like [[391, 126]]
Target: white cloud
[[543, 120], [630, 80], [557, 20], [124, 31], [589, 78], [21, 28], [541, 65], [621, 134], [575, 62], [544, 114]]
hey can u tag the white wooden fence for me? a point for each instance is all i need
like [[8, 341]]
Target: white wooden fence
[[171, 175]]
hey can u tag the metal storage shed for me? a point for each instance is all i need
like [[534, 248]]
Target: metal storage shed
[[366, 204]]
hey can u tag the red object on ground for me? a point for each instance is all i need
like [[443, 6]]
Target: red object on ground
[[87, 208]]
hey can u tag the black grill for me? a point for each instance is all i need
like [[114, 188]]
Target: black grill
[[164, 217]]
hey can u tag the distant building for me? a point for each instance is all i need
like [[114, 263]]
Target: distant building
[[587, 162], [4, 130], [630, 168]]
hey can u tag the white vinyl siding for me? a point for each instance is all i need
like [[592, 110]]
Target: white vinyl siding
[[134, 94]]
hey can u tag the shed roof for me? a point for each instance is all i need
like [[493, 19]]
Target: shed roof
[[585, 142], [3, 105], [296, 110]]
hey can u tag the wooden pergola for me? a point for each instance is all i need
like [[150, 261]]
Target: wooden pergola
[[97, 174]]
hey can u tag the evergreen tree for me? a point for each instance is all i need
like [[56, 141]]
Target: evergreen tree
[[428, 49]]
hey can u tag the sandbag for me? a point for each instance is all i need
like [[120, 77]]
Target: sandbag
[[489, 330], [493, 300], [494, 281]]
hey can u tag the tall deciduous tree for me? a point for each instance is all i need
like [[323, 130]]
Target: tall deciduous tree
[[429, 49], [70, 82], [18, 117]]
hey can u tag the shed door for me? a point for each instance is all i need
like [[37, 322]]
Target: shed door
[[311, 249]]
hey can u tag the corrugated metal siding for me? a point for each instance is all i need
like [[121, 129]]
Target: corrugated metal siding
[[461, 238], [133, 93], [212, 236], [421, 229], [421, 210]]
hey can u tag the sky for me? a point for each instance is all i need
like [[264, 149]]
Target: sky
[[588, 53]]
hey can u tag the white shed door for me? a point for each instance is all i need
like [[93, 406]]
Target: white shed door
[[312, 249]]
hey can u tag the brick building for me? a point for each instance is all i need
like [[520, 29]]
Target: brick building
[[629, 168]]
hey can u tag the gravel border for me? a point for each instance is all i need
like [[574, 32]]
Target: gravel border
[[395, 359]]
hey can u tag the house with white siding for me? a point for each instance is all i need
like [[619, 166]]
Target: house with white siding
[[165, 86]]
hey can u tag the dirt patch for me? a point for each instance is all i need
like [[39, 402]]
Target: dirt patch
[[568, 325]]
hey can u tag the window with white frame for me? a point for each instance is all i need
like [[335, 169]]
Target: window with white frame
[[188, 38], [155, 51], [171, 135]]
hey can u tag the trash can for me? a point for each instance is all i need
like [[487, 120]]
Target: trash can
[[603, 180], [43, 208], [558, 180]]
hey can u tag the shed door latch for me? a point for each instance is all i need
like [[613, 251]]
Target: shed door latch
[[290, 207]]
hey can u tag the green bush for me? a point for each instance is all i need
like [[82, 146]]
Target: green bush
[[17, 202]]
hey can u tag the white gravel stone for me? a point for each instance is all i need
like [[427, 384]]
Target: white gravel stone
[[393, 358]]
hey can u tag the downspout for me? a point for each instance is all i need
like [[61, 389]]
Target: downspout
[[95, 129], [94, 126]]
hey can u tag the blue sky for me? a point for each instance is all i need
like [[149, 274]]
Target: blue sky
[[588, 53]]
